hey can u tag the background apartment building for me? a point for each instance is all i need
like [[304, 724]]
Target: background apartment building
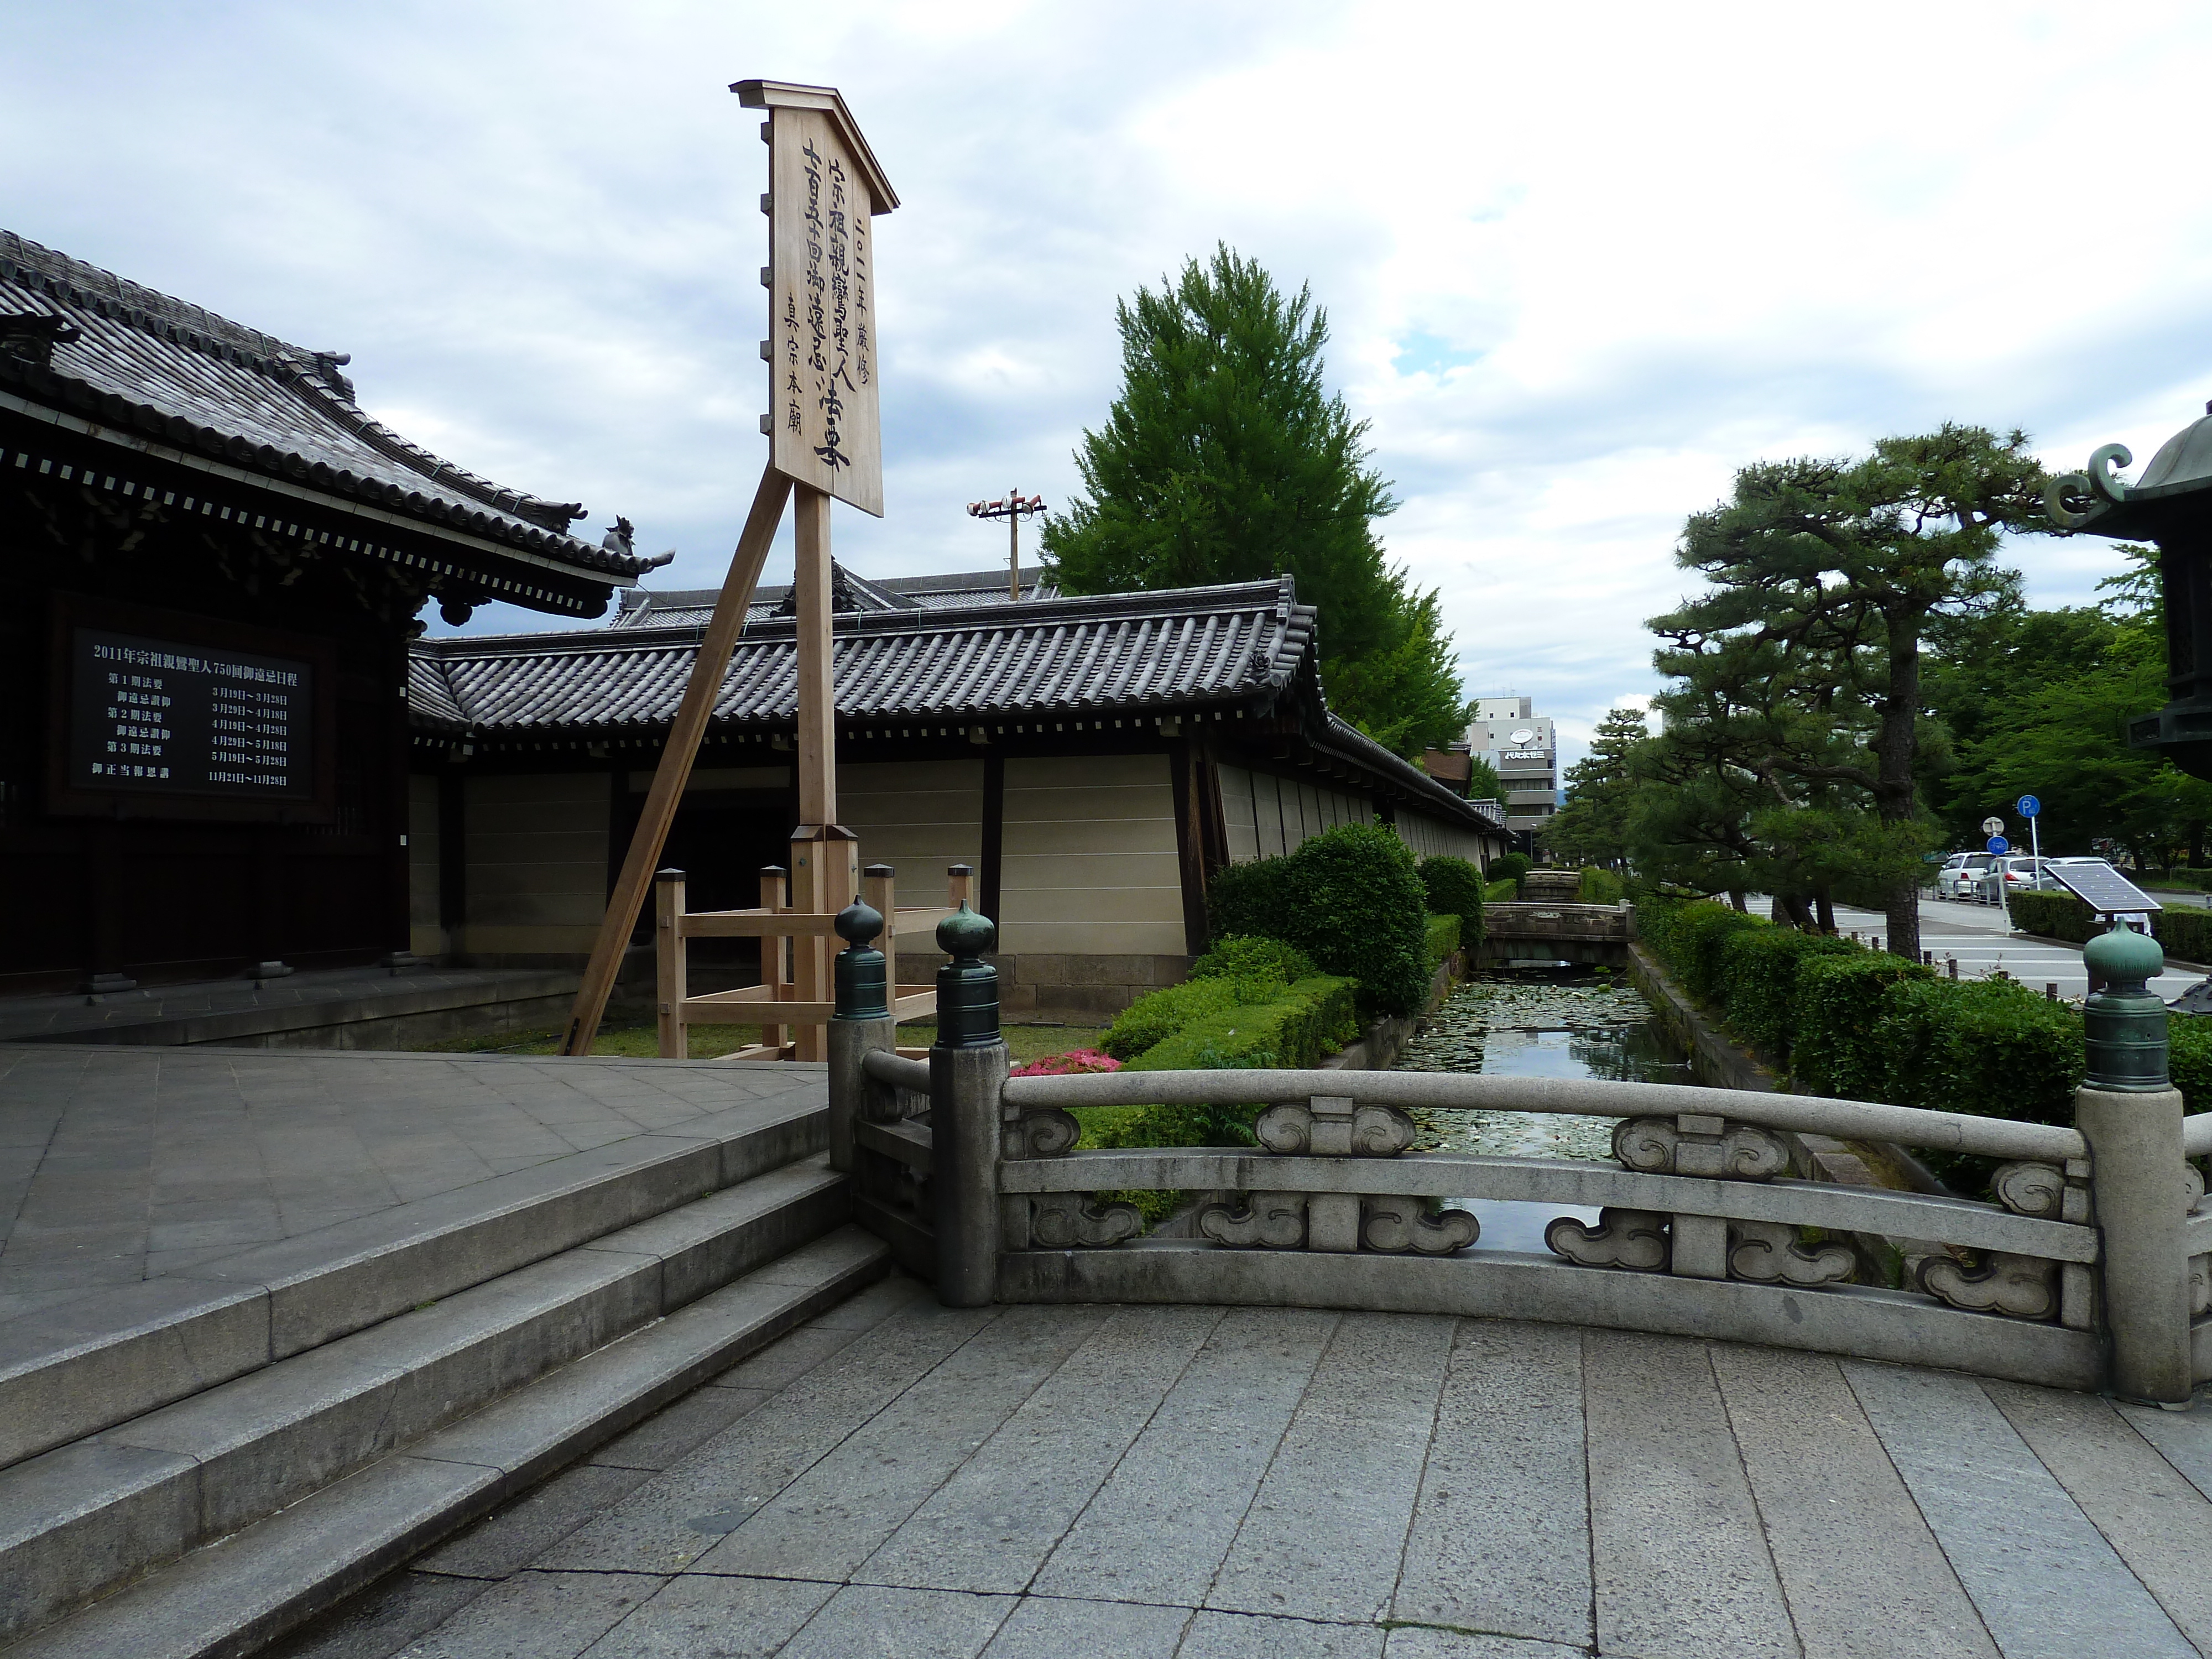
[[1521, 743]]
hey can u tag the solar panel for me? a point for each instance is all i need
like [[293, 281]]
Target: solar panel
[[2103, 889]]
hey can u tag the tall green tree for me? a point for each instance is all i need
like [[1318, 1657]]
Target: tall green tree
[[1224, 458], [1592, 826], [1823, 577], [2039, 702]]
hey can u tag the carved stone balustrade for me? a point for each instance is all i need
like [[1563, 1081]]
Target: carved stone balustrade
[[1333, 1125], [1055, 1221]]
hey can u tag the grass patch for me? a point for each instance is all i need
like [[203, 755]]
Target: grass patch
[[640, 1040]]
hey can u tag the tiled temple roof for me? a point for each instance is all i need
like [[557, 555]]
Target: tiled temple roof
[[1245, 650], [692, 607], [81, 340]]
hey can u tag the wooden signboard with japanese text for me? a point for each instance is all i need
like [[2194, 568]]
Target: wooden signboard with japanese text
[[823, 351]]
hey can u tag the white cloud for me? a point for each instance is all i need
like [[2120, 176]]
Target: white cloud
[[1580, 265]]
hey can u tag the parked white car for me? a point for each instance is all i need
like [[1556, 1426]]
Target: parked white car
[[1961, 877]]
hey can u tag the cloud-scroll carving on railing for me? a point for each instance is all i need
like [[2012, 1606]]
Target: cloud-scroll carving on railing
[[1059, 1221], [1337, 1126]]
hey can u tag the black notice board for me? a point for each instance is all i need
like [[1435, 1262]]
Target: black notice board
[[166, 715], [170, 717]]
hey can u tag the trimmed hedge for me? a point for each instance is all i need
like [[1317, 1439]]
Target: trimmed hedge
[[1350, 899], [1839, 1003], [1990, 1047], [1155, 1017], [1311, 1019], [1866, 1025], [1455, 888], [1441, 939], [1510, 867], [1759, 969], [2185, 934]]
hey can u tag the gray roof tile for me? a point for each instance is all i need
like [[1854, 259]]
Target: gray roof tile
[[144, 361], [1244, 649]]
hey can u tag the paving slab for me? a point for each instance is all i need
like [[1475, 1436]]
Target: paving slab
[[828, 1522], [1049, 1627], [883, 1623], [702, 1617], [1246, 1636], [1678, 1555], [1864, 1578], [1418, 1642], [2044, 1580], [380, 1621], [991, 1526], [1160, 1527], [537, 1615], [678, 1515], [1500, 1538], [1326, 1534], [510, 1537], [2161, 1524]]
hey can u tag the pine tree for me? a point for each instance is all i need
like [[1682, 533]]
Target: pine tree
[[1592, 826], [1225, 460]]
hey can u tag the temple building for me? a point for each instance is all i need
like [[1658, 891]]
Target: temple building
[[228, 751], [211, 561], [1091, 759]]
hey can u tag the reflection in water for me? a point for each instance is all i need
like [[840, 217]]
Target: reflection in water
[[1562, 1024]]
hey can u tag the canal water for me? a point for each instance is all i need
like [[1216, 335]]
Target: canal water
[[1565, 1023]]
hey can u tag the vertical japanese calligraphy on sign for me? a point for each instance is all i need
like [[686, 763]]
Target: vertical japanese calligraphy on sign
[[823, 351]]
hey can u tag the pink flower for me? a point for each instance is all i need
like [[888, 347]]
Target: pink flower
[[1075, 1060]]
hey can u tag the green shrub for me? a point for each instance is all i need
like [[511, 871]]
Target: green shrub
[[1250, 958], [1759, 969], [1313, 1018], [1689, 937], [1158, 1015], [1599, 886], [2189, 1057], [1990, 1047], [2195, 881], [2054, 915], [1442, 940], [2185, 933], [1456, 888], [1511, 868], [1839, 1004], [1501, 892], [1350, 899]]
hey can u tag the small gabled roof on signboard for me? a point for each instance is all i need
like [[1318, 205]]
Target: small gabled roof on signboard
[[789, 95]]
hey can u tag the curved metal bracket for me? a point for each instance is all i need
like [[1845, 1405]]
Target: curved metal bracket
[[2102, 479]]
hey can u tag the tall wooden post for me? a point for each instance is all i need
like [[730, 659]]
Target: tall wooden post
[[825, 856]]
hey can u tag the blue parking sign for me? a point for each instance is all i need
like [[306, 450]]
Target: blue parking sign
[[2028, 806]]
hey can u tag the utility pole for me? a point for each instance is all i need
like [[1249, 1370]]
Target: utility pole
[[1016, 508]]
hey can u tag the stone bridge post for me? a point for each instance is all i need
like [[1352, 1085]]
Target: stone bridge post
[[862, 1022], [2130, 1114], [967, 1071]]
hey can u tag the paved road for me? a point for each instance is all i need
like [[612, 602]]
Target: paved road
[[1980, 939], [900, 1479]]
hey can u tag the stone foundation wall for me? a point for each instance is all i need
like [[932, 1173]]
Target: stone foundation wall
[[1077, 990]]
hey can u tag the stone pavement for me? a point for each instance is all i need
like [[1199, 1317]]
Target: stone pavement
[[118, 1163], [899, 1478]]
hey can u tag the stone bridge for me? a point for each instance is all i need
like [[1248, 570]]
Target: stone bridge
[[1554, 930]]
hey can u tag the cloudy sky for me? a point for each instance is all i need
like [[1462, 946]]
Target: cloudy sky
[[1579, 262]]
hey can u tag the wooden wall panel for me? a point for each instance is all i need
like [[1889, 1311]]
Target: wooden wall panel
[[918, 817], [536, 863]]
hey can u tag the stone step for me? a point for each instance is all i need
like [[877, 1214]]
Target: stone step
[[72, 1370], [84, 1519]]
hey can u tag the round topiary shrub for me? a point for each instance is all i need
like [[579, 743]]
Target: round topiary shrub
[[1511, 868], [1454, 889], [1350, 899]]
